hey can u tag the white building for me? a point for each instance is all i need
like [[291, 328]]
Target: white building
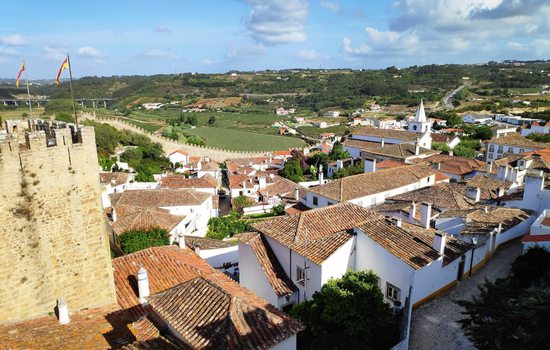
[[197, 207], [420, 123], [536, 127], [497, 147], [476, 118], [332, 114], [539, 235], [179, 156], [370, 188]]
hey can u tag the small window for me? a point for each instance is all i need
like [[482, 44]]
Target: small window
[[490, 156], [315, 200], [491, 148], [521, 150], [330, 203], [392, 292], [500, 149], [300, 275]]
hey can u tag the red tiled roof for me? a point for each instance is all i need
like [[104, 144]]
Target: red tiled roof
[[282, 153], [317, 233], [165, 197], [180, 152], [180, 181], [297, 208], [388, 163], [116, 177], [440, 177], [386, 133], [146, 219], [170, 266]]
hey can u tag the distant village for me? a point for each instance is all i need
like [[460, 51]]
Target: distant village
[[422, 219]]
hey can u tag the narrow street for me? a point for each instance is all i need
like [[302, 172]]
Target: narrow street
[[435, 324]]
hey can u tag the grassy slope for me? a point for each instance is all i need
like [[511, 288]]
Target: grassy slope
[[244, 141]]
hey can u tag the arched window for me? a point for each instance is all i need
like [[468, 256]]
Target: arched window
[[414, 127]]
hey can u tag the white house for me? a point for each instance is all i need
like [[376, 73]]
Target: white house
[[497, 147], [179, 156], [476, 118], [221, 255], [197, 207], [292, 257], [206, 184], [536, 127], [370, 188], [332, 114], [539, 235]]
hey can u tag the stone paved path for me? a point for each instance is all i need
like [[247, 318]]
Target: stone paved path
[[434, 325]]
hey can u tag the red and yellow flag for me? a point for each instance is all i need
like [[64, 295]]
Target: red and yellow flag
[[19, 75], [64, 66]]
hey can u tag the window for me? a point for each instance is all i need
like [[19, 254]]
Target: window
[[315, 200], [491, 156], [499, 149], [300, 275], [521, 150], [392, 292], [491, 148], [329, 203]]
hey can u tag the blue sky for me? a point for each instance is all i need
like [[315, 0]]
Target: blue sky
[[121, 37]]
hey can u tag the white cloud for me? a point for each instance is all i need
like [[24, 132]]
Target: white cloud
[[245, 51], [6, 51], [55, 53], [162, 29], [157, 54], [542, 47], [90, 52], [13, 40], [310, 55], [348, 50], [274, 22], [330, 5], [517, 46]]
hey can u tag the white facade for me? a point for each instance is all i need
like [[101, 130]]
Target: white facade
[[179, 157], [539, 129], [495, 151], [314, 200], [420, 123], [539, 235], [476, 119]]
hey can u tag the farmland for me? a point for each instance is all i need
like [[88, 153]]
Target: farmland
[[239, 140]]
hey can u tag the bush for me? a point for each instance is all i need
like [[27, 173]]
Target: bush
[[278, 209], [226, 226], [64, 117], [133, 241], [440, 146]]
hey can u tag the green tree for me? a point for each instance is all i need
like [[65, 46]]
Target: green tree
[[440, 146], [293, 170], [348, 313], [226, 226], [65, 117], [512, 312], [338, 152], [133, 241], [278, 209], [191, 120], [242, 202], [212, 120]]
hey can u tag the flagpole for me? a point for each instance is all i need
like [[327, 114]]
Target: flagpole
[[28, 91], [72, 91]]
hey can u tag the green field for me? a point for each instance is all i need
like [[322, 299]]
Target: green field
[[239, 140], [315, 132], [147, 126]]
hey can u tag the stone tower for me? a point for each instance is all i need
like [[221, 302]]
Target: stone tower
[[53, 233]]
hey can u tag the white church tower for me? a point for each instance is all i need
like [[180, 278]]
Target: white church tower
[[420, 123]]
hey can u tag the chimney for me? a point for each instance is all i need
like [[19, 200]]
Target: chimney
[[143, 284], [339, 164], [63, 311], [296, 194], [489, 167], [321, 175], [473, 193], [451, 153], [381, 142], [416, 148], [396, 221], [262, 182], [486, 210], [439, 242], [369, 165], [412, 213], [425, 215], [437, 165], [199, 165], [198, 249], [181, 242]]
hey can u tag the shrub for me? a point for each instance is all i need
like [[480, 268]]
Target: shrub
[[226, 226], [133, 241]]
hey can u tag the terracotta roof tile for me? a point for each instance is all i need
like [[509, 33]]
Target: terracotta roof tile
[[145, 219], [517, 140], [209, 317], [401, 243], [361, 185], [181, 182], [398, 151], [363, 145], [316, 233], [386, 133], [479, 221], [278, 279], [443, 196], [117, 178], [297, 208], [159, 198], [388, 163], [206, 243], [170, 266], [455, 165]]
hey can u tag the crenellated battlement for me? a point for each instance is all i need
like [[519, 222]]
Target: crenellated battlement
[[38, 135]]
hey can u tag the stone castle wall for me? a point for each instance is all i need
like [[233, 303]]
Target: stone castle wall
[[53, 233]]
